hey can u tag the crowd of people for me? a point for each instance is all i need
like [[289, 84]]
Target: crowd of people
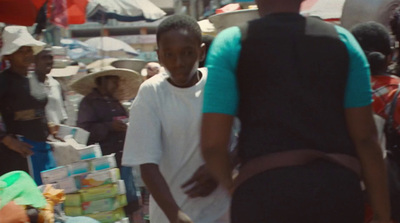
[[318, 107]]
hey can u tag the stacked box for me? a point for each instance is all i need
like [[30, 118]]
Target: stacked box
[[102, 201], [91, 182], [102, 205], [108, 216], [79, 134], [98, 178]]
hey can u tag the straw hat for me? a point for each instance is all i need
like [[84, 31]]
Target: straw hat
[[64, 72], [129, 82], [100, 63], [132, 64], [16, 36]]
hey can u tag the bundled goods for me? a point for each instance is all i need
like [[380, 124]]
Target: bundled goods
[[108, 216], [91, 182], [73, 177], [80, 135], [70, 151], [103, 203]]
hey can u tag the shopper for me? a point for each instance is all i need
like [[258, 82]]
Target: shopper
[[22, 107], [301, 90], [103, 116], [163, 135]]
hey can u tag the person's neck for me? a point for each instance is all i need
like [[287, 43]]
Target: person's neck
[[23, 71], [273, 6], [41, 77]]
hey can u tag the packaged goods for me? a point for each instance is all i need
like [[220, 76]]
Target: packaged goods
[[107, 204], [108, 216], [67, 184], [53, 175], [99, 178], [102, 205], [78, 167], [104, 162], [70, 151], [79, 134], [73, 200], [101, 192], [73, 211]]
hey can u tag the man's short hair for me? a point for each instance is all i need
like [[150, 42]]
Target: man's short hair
[[177, 22]]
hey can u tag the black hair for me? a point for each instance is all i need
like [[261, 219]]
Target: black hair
[[374, 39], [176, 22], [207, 40], [395, 23]]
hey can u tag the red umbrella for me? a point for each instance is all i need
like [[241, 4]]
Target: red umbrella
[[20, 12], [66, 12]]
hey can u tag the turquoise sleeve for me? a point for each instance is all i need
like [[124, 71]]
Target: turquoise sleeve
[[358, 89], [221, 91]]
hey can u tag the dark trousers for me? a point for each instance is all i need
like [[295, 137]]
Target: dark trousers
[[320, 192]]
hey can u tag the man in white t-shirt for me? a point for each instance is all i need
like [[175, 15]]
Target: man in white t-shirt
[[164, 132], [55, 109]]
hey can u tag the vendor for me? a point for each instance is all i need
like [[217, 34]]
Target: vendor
[[22, 107], [102, 114]]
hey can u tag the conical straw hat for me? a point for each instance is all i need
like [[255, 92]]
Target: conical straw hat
[[129, 82]]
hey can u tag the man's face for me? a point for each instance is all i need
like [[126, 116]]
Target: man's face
[[180, 52], [43, 62], [22, 58], [111, 84]]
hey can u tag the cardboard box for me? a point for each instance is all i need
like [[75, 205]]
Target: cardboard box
[[53, 175], [98, 178]]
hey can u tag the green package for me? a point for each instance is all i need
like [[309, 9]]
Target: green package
[[107, 204], [108, 216], [73, 200]]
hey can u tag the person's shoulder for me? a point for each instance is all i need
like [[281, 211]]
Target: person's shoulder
[[155, 82]]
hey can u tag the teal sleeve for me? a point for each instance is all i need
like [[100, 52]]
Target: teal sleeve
[[358, 89], [221, 90]]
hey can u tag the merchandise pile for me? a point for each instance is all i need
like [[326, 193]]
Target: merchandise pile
[[90, 181]]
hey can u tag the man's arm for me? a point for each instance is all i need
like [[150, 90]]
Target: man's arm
[[361, 126], [215, 135], [159, 189]]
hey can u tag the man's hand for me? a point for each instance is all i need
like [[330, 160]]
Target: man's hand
[[182, 218], [203, 184], [20, 147], [118, 126]]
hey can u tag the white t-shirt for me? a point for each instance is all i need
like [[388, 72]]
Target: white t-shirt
[[55, 110], [164, 129]]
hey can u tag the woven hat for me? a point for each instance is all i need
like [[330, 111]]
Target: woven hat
[[129, 82], [64, 72], [132, 64], [15, 37], [100, 63]]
